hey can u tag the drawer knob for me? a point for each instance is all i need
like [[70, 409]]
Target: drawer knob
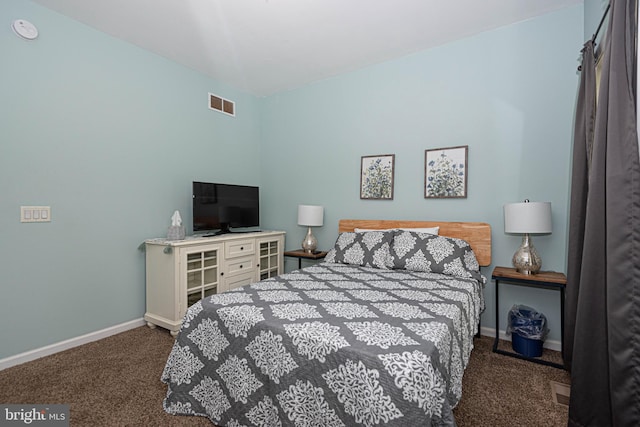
[[242, 248], [240, 265]]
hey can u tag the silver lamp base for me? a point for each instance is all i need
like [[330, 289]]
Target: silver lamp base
[[526, 259], [310, 243]]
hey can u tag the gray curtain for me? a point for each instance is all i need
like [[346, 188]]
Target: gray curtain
[[582, 145], [602, 329]]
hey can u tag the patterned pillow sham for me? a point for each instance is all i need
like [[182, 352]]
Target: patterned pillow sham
[[438, 254], [370, 249]]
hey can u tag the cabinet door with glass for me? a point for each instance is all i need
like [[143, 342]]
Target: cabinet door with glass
[[270, 256], [200, 271]]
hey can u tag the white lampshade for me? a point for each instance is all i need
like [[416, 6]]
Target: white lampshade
[[310, 216], [527, 217]]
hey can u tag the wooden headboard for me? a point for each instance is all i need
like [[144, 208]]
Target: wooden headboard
[[478, 234]]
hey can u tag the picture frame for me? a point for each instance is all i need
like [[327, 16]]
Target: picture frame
[[376, 177], [446, 172]]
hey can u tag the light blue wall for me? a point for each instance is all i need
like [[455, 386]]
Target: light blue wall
[[110, 136], [508, 94]]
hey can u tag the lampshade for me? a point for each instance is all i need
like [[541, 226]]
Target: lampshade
[[527, 217], [310, 216]]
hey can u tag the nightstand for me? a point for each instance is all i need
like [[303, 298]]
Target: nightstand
[[300, 254], [545, 280]]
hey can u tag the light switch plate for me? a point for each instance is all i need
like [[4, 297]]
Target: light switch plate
[[35, 213]]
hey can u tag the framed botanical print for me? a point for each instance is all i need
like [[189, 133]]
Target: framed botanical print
[[376, 177], [445, 172]]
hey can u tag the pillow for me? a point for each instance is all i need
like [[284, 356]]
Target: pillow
[[430, 230], [368, 249], [438, 254]]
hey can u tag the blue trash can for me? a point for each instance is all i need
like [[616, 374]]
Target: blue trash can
[[528, 330]]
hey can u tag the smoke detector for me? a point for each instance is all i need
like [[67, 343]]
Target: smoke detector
[[25, 29]]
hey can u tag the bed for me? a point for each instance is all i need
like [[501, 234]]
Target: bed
[[378, 333]]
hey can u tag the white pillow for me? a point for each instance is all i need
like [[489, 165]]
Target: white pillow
[[430, 230]]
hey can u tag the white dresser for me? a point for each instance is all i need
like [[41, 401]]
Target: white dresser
[[181, 272]]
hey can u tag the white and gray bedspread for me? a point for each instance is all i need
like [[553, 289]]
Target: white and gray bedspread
[[328, 345]]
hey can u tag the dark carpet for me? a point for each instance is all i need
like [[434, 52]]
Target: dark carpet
[[116, 382]]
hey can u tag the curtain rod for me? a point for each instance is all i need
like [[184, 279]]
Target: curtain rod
[[593, 39]]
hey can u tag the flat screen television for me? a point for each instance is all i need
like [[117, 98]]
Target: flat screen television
[[219, 207]]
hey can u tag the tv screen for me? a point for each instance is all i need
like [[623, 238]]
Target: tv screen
[[222, 206]]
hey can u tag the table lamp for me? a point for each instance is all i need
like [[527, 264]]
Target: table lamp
[[310, 216], [527, 218]]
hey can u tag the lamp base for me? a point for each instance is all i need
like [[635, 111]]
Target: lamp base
[[310, 243], [526, 259]]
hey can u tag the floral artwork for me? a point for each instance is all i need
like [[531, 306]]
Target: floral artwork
[[446, 172], [376, 177]]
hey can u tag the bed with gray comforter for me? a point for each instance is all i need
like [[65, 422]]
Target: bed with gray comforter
[[335, 344]]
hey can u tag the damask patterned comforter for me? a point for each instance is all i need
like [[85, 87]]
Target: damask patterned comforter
[[328, 345]]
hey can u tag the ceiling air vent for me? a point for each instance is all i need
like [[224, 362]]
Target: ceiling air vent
[[223, 105]]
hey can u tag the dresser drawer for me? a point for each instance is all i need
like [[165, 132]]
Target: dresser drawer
[[240, 265], [239, 248], [239, 280]]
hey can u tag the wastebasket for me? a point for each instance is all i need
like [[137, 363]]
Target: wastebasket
[[528, 330]]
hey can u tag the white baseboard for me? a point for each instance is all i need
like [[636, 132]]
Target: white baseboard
[[67, 344], [491, 332]]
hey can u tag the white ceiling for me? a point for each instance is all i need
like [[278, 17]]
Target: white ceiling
[[267, 46]]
